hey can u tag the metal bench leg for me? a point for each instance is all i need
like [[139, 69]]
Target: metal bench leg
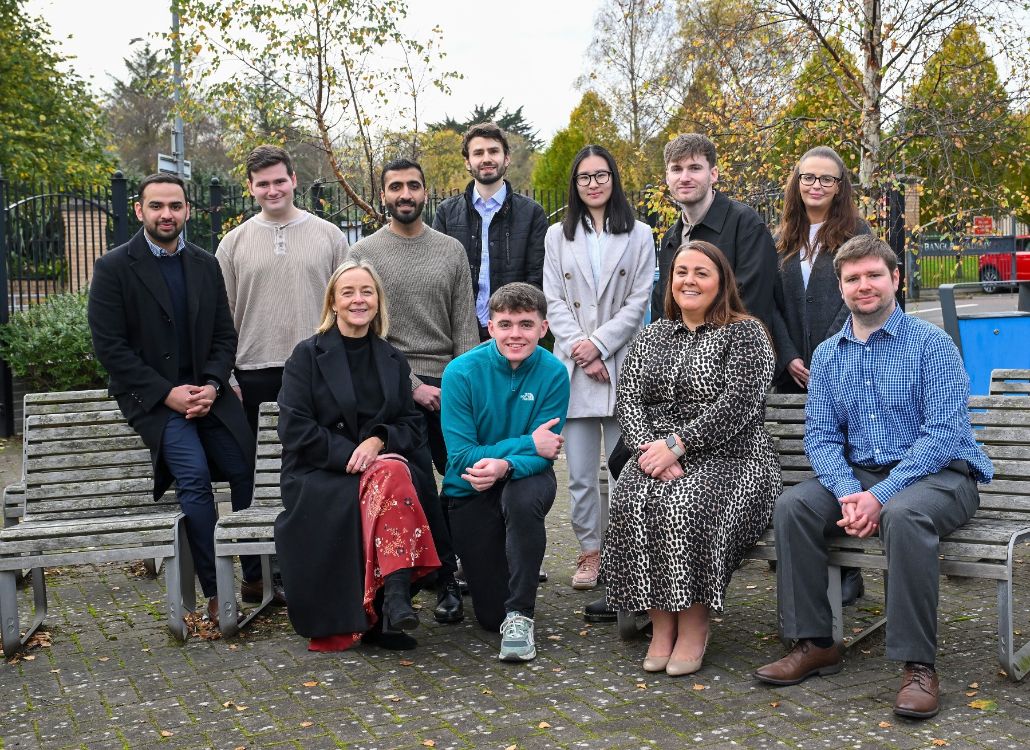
[[12, 638], [153, 565], [1015, 662], [632, 624], [228, 616], [833, 594], [179, 589]]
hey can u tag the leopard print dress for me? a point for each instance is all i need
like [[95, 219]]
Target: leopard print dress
[[673, 544]]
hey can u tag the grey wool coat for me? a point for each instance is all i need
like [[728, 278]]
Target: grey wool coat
[[611, 314]]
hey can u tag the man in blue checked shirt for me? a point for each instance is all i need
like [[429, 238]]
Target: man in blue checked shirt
[[887, 432]]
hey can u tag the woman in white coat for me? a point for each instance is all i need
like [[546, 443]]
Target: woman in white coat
[[598, 271]]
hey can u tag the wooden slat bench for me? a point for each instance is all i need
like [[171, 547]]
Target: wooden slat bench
[[982, 548], [1010, 382], [250, 531], [87, 489]]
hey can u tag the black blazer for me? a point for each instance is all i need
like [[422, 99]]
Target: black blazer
[[805, 318], [318, 534], [132, 323]]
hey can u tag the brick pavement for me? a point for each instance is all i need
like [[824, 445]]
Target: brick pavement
[[114, 678]]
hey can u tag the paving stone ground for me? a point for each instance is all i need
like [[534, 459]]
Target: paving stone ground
[[114, 678]]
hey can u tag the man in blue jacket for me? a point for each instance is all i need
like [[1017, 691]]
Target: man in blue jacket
[[503, 405]]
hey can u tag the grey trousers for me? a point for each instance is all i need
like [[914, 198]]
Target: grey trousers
[[911, 525], [583, 452]]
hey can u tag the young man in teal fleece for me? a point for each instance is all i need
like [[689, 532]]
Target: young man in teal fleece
[[502, 408]]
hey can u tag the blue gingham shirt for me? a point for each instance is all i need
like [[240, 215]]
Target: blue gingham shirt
[[160, 252], [899, 397]]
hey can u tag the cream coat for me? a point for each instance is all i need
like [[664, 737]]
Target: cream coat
[[611, 315]]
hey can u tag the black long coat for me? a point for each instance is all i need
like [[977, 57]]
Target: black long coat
[[133, 327], [318, 534]]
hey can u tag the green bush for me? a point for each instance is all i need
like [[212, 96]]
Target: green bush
[[50, 347]]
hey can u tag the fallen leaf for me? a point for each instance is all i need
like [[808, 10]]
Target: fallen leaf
[[395, 699], [512, 747], [311, 683], [856, 630], [429, 743], [556, 669], [971, 693], [241, 708], [227, 704], [487, 691], [584, 633], [543, 725], [406, 662], [775, 704], [884, 725], [984, 704], [307, 724], [104, 658], [939, 743], [641, 686], [29, 657], [554, 637], [699, 686], [166, 733], [973, 685]]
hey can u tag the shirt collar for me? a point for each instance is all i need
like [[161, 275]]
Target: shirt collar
[[160, 252], [494, 200]]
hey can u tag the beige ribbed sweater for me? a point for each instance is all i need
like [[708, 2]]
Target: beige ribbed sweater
[[275, 278], [428, 290]]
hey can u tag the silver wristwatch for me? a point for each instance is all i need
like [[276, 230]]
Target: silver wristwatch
[[673, 446]]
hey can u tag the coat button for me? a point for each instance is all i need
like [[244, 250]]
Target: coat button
[[575, 304], [568, 275], [339, 425], [809, 299], [167, 355], [622, 272]]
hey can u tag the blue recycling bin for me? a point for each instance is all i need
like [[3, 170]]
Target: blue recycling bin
[[988, 341]]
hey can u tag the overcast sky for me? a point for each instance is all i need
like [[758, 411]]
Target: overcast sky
[[529, 53]]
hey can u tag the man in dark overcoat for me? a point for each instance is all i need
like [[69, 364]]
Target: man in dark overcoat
[[161, 328]]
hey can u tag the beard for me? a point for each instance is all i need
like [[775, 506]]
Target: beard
[[499, 171], [394, 209]]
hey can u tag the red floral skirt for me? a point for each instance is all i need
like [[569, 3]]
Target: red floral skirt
[[395, 536]]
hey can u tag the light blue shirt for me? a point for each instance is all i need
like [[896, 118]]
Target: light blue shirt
[[486, 209], [899, 397]]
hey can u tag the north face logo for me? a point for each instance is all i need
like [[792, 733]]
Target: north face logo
[[527, 397]]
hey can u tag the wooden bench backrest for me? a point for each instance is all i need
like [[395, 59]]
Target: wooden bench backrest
[[1010, 383], [1001, 424], [82, 458], [269, 457]]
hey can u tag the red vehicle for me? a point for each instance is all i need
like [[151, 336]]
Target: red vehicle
[[997, 266]]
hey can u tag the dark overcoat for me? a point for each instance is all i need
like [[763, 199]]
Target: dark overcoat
[[133, 327], [318, 534]]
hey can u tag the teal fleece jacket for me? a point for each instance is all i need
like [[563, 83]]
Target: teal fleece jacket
[[488, 410]]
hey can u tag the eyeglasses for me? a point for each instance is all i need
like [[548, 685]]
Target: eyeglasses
[[826, 180], [599, 177]]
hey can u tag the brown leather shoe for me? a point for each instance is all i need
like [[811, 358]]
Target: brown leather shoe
[[212, 609], [804, 660], [919, 696], [252, 592]]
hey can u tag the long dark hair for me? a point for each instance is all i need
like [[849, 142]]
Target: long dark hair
[[842, 220], [618, 213], [727, 307]]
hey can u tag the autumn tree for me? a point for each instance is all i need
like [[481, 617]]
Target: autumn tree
[[894, 40], [50, 125], [961, 138], [341, 70]]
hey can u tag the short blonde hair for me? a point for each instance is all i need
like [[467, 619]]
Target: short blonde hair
[[380, 325]]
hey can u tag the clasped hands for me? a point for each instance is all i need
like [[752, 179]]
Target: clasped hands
[[656, 460], [486, 472], [585, 354], [193, 401], [861, 514]]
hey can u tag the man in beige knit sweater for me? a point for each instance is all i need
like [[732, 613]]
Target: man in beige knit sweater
[[276, 266], [432, 319]]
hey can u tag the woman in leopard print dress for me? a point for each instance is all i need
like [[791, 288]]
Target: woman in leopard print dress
[[701, 486]]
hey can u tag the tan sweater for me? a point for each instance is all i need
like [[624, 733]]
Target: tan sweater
[[429, 296], [275, 278]]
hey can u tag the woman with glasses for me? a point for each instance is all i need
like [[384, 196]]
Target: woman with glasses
[[819, 215], [598, 269]]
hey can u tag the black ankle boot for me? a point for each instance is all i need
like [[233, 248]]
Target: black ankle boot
[[398, 613]]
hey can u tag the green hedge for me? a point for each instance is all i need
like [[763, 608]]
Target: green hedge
[[49, 346]]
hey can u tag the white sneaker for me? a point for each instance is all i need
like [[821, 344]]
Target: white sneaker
[[517, 638]]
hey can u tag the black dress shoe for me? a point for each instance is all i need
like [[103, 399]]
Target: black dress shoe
[[252, 592], [449, 607], [852, 587], [598, 611]]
